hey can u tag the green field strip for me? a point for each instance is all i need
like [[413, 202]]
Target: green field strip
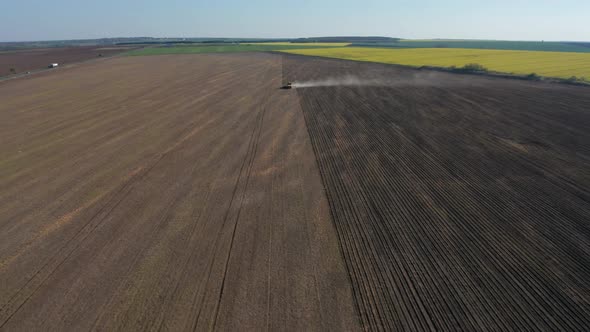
[[231, 48]]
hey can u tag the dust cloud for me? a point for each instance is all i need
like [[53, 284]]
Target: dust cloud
[[419, 79], [341, 81]]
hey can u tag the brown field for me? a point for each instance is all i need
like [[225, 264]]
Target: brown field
[[187, 192], [461, 203], [168, 192], [34, 59]]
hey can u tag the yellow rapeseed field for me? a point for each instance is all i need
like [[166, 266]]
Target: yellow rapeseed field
[[548, 64]]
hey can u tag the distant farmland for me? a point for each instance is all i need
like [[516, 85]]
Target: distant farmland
[[188, 193], [548, 64], [304, 44], [486, 44], [19, 61], [229, 48]]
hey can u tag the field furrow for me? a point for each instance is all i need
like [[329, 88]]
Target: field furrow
[[461, 203]]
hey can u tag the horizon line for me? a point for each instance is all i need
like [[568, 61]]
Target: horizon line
[[291, 38]]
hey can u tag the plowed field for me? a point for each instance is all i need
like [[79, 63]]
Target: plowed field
[[461, 203], [169, 192], [187, 192]]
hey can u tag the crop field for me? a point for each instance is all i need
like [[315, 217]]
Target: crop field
[[137, 194], [461, 203], [303, 44], [486, 44], [548, 64], [188, 192], [227, 48], [38, 58]]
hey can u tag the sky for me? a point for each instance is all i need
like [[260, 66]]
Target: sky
[[28, 20]]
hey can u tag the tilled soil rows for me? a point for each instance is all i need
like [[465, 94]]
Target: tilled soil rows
[[461, 202], [164, 193]]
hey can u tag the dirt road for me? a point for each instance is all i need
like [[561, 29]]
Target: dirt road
[[166, 192], [461, 202]]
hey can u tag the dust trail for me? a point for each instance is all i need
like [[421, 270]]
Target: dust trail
[[419, 79], [348, 80]]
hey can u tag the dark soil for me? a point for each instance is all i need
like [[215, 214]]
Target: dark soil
[[34, 59], [461, 202]]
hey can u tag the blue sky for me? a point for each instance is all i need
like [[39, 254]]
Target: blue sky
[[492, 19]]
